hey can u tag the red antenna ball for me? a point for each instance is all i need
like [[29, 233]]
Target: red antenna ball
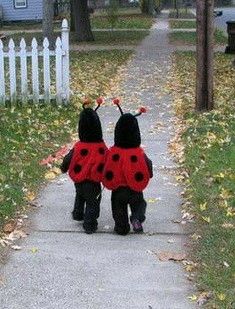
[[86, 101], [116, 101], [100, 101], [143, 110]]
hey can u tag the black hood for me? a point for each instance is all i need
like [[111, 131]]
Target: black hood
[[127, 132], [89, 127]]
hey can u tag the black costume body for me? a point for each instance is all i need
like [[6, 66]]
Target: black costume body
[[85, 165], [129, 176]]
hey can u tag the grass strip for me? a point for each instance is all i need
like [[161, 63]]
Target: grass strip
[[189, 38], [182, 24], [209, 143]]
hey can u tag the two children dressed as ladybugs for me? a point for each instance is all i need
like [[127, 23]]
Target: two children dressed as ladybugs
[[124, 169]]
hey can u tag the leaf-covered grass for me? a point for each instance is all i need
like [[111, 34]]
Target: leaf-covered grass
[[31, 133], [183, 13], [189, 38], [182, 24], [101, 37], [123, 22], [210, 161]]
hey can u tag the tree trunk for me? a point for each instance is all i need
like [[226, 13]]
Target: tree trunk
[[82, 21], [47, 23], [205, 38], [72, 17]]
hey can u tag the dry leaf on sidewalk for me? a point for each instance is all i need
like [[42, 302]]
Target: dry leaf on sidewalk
[[15, 247], [9, 227], [165, 256]]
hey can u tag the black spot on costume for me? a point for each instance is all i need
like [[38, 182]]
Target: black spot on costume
[[85, 163], [127, 172]]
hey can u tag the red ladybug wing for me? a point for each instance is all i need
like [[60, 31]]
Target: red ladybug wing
[[113, 176], [85, 161], [99, 158], [136, 170]]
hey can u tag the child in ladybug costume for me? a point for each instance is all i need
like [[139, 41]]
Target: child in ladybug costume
[[85, 163], [127, 172]]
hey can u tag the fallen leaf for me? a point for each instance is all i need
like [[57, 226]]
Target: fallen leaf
[[34, 250], [195, 236], [221, 296], [30, 196], [207, 219], [15, 247], [176, 221], [228, 225], [56, 170], [226, 264], [203, 206], [203, 298], [193, 297], [171, 256], [9, 227], [50, 176], [152, 200]]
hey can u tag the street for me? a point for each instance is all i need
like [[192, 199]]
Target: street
[[228, 14]]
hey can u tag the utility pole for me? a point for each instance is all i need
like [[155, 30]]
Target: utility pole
[[205, 55]]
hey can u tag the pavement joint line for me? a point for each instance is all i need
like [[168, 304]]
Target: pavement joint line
[[112, 233]]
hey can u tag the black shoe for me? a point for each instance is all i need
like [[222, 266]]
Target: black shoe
[[89, 229], [77, 216], [121, 231], [137, 226]]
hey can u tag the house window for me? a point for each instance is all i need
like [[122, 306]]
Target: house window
[[20, 4]]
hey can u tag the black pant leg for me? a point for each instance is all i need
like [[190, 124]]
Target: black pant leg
[[92, 195], [79, 204], [119, 201], [138, 206]]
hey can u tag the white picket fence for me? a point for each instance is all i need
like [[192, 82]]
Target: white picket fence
[[44, 82]]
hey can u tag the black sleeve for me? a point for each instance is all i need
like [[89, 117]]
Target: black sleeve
[[66, 162], [150, 165]]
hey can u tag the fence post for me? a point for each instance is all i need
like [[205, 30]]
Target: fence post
[[35, 78], [46, 70], [59, 72], [65, 59], [23, 67], [12, 68], [2, 75]]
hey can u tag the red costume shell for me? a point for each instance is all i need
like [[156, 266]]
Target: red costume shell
[[126, 167], [88, 162]]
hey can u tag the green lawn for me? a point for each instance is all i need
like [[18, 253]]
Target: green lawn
[[127, 21], [31, 133], [189, 38], [130, 18], [183, 13], [101, 37], [210, 161], [182, 24]]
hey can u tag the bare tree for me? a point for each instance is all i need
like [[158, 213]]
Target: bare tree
[[82, 20], [205, 55], [48, 14]]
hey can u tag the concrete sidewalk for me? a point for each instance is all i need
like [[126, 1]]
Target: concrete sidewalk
[[60, 267]]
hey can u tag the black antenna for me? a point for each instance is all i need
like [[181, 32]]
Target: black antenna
[[116, 102]]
